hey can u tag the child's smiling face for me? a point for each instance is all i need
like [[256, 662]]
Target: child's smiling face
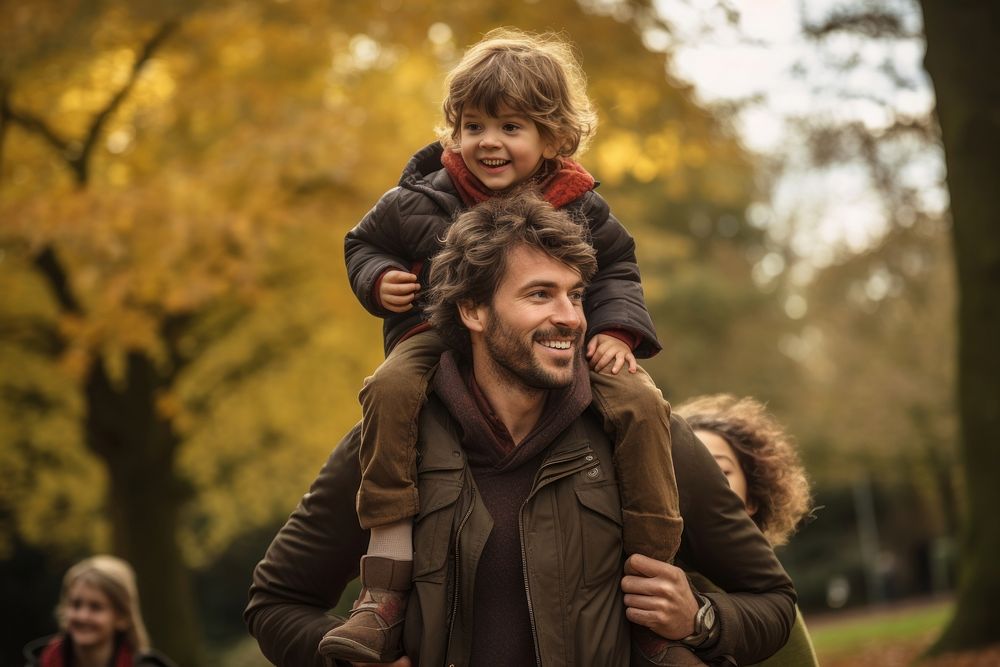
[[91, 619], [503, 150]]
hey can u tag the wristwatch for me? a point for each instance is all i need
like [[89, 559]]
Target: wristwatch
[[706, 625]]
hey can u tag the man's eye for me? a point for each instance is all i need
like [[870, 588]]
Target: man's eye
[[576, 296]]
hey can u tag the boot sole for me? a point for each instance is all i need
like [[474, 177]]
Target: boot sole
[[348, 649]]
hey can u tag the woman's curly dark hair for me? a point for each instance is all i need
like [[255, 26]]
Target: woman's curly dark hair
[[777, 484]]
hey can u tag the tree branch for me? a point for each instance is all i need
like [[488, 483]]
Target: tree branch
[[33, 335], [874, 23], [32, 123], [77, 158], [52, 270], [79, 162]]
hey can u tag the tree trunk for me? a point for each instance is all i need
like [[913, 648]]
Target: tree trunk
[[145, 498], [963, 64]]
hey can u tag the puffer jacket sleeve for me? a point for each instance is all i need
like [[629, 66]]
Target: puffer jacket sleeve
[[312, 558], [374, 246], [757, 610], [614, 298]]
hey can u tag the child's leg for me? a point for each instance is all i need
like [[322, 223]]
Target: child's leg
[[390, 406], [387, 501], [637, 418]]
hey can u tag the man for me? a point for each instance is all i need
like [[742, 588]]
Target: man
[[517, 545]]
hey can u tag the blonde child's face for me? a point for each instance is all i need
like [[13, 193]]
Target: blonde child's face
[[91, 619], [504, 150]]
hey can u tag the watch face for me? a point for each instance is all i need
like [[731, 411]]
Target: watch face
[[709, 616]]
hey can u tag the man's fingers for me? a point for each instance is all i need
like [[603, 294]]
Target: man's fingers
[[647, 567]]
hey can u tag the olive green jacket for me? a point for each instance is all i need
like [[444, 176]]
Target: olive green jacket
[[798, 651], [571, 555]]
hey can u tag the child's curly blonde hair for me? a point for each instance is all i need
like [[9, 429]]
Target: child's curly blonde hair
[[537, 75], [776, 479]]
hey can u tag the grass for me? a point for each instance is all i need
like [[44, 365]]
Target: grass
[[853, 633]]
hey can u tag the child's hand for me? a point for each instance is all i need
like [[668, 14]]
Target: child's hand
[[397, 291], [608, 352]]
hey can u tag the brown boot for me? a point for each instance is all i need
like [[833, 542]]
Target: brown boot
[[374, 632]]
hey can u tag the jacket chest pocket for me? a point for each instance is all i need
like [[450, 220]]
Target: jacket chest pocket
[[601, 531], [432, 528]]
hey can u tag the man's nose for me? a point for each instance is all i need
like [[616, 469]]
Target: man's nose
[[568, 312]]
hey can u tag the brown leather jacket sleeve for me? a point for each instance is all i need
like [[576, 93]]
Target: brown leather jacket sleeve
[[312, 558], [757, 609]]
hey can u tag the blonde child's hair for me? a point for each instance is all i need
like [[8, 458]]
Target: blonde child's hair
[[777, 484], [116, 579], [537, 75]]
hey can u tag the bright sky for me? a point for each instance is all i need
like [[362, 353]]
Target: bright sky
[[767, 57]]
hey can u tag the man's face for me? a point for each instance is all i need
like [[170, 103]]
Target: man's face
[[534, 327]]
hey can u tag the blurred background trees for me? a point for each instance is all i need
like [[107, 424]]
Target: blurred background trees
[[179, 348]]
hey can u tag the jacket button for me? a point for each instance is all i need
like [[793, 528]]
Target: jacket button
[[589, 458], [456, 454], [593, 472]]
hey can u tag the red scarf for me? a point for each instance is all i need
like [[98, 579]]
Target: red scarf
[[563, 183], [58, 653]]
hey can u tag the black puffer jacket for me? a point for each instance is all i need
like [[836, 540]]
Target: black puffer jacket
[[404, 229]]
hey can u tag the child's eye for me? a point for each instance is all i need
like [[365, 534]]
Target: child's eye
[[511, 127], [472, 127]]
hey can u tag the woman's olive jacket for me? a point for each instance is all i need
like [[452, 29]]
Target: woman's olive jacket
[[572, 557], [405, 227]]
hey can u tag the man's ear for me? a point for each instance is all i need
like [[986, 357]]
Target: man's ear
[[473, 316]]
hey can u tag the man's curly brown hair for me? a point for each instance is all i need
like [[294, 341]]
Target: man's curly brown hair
[[776, 479], [473, 258]]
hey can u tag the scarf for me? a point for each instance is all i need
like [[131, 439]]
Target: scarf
[[59, 653], [487, 442], [561, 181]]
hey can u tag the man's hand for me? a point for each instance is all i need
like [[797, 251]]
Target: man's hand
[[608, 352], [397, 291], [658, 596]]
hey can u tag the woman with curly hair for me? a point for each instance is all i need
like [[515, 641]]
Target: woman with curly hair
[[763, 468]]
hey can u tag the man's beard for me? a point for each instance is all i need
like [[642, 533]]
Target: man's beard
[[514, 362]]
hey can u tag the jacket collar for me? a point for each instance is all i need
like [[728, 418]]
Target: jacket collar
[[485, 439]]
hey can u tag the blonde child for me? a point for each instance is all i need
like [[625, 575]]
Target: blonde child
[[762, 465], [515, 114], [100, 621]]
